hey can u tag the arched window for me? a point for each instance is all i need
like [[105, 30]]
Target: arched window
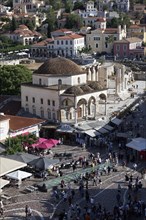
[[42, 112], [33, 110], [26, 108], [49, 114]]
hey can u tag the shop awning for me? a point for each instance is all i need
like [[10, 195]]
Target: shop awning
[[108, 127], [65, 128], [102, 130], [138, 144], [92, 133], [116, 121]]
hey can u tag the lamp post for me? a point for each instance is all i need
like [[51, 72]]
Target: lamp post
[[105, 107], [75, 107]]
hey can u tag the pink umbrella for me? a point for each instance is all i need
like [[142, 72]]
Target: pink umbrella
[[52, 141], [44, 145], [39, 141]]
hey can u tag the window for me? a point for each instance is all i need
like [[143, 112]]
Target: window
[[106, 45], [96, 45], [124, 47], [49, 114], [117, 47], [78, 80], [34, 111], [26, 108], [57, 42], [26, 98], [66, 102], [40, 81], [115, 38], [66, 42], [62, 42], [53, 103], [97, 38], [54, 116], [33, 99], [42, 113], [41, 101], [70, 42], [48, 101]]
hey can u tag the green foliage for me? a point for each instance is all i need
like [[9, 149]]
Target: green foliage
[[68, 6], [51, 20], [85, 50], [56, 4], [16, 144], [14, 24], [122, 20], [11, 78], [74, 21], [78, 5]]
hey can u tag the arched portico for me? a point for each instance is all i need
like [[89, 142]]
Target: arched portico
[[81, 108], [103, 97], [92, 106]]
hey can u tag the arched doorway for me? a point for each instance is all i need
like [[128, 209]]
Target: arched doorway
[[81, 108]]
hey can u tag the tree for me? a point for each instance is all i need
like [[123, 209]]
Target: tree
[[74, 21], [14, 24], [68, 6], [51, 21], [17, 144], [56, 4], [11, 78], [78, 5]]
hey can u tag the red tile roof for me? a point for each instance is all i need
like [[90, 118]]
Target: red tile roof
[[18, 123], [100, 19], [72, 36], [44, 42], [134, 26], [63, 30]]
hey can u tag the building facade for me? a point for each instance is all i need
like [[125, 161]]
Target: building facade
[[102, 40], [61, 90], [129, 48]]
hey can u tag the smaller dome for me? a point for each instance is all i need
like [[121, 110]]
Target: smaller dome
[[74, 90], [95, 85], [86, 88]]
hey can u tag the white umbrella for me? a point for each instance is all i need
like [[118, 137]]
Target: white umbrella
[[3, 183], [8, 165], [19, 175]]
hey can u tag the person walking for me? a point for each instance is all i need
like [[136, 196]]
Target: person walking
[[1, 207]]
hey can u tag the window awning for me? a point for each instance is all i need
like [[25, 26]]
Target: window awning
[[108, 127], [116, 121], [92, 133]]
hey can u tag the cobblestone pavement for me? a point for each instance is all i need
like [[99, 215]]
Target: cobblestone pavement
[[45, 207]]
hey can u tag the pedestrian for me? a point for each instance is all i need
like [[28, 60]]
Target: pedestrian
[[135, 166], [26, 211], [29, 212], [1, 208], [100, 182], [95, 181]]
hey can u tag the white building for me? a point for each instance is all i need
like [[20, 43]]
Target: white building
[[123, 5], [62, 90], [67, 46], [11, 126], [24, 35], [27, 5]]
